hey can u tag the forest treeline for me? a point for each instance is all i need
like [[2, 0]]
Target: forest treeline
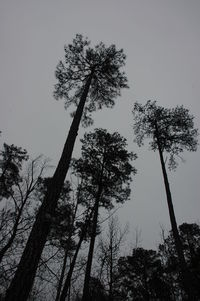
[[49, 224]]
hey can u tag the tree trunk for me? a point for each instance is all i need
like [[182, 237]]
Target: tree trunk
[[65, 257], [111, 270], [24, 277], [71, 269], [86, 296], [186, 277], [66, 286], [61, 276]]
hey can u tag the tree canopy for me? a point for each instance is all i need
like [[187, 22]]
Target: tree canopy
[[11, 161], [106, 160], [173, 129], [81, 61]]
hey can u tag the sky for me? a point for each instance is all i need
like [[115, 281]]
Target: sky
[[162, 42]]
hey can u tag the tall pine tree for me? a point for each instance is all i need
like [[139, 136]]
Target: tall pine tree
[[105, 167], [89, 78], [171, 131]]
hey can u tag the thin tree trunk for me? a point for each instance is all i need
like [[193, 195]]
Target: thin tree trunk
[[179, 249], [15, 227], [24, 277], [102, 266], [61, 276], [86, 287], [69, 291], [66, 285], [111, 270], [16, 224], [60, 283]]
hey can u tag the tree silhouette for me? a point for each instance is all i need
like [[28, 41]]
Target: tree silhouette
[[190, 238], [20, 181], [109, 253], [96, 290], [107, 174], [171, 131], [11, 161], [17, 214], [140, 277], [78, 229], [62, 227], [90, 78], [84, 229]]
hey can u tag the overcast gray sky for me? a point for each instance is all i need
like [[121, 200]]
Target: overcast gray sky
[[162, 42]]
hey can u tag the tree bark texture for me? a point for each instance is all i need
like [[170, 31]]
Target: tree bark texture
[[24, 277]]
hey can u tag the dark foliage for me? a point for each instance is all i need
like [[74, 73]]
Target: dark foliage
[[174, 128], [190, 238], [11, 160], [171, 131], [141, 277], [81, 60], [87, 74], [105, 161], [105, 171]]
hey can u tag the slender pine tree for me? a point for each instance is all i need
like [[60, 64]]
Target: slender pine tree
[[89, 78]]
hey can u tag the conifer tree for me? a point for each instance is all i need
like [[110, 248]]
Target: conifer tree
[[89, 78], [171, 131], [106, 170]]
